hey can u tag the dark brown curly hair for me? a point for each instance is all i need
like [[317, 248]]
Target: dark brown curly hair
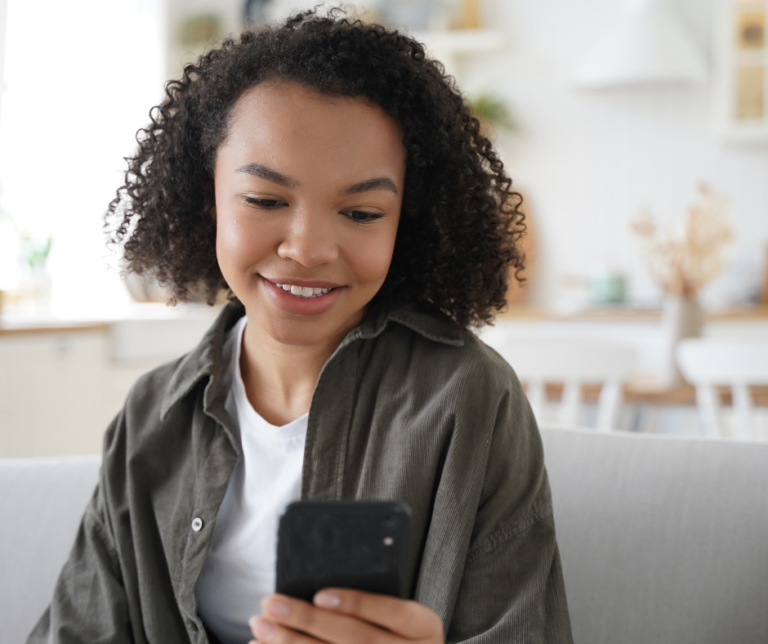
[[460, 221]]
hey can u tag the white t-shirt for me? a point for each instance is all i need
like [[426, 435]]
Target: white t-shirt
[[239, 570]]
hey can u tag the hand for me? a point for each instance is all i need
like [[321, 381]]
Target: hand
[[346, 617]]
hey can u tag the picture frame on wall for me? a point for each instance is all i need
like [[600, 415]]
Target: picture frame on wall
[[741, 27]]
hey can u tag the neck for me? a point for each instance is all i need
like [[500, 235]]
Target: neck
[[280, 378]]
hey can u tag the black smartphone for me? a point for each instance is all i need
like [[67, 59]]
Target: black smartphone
[[342, 544]]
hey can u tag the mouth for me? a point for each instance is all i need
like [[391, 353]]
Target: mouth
[[304, 292], [302, 297]]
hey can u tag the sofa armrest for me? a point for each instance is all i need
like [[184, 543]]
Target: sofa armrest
[[41, 503]]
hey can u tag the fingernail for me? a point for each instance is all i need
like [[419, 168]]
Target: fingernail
[[262, 627], [324, 599], [276, 606]]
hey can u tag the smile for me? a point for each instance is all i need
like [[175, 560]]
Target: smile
[[304, 292]]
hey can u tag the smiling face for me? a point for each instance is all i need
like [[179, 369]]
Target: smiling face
[[308, 190]]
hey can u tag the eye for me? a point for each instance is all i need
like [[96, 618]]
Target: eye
[[360, 216], [264, 204]]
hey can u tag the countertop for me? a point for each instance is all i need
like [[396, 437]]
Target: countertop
[[18, 324]]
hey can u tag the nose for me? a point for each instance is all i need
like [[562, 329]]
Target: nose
[[310, 238]]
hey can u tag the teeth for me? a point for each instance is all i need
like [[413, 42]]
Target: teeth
[[303, 291]]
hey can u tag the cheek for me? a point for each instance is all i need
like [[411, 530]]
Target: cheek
[[238, 242], [372, 257]]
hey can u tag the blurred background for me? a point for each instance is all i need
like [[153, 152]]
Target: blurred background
[[637, 131]]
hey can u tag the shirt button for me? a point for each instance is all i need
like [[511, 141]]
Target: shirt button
[[197, 524]]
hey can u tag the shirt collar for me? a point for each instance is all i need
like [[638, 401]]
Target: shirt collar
[[205, 360]]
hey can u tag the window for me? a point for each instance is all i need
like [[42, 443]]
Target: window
[[80, 78]]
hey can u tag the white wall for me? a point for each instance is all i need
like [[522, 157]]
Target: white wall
[[589, 160], [3, 12]]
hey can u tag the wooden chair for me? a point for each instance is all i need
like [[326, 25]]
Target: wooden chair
[[572, 362], [707, 363]]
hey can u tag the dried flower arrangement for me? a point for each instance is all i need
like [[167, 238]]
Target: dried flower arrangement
[[693, 252]]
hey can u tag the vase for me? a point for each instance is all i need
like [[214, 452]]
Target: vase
[[682, 317]]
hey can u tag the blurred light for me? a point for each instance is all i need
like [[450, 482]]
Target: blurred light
[[645, 46], [81, 77]]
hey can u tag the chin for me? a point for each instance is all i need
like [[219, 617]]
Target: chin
[[295, 337], [300, 333]]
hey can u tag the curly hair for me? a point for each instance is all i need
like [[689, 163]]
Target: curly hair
[[460, 224]]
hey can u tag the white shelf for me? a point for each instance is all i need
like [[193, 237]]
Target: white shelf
[[462, 41], [449, 46]]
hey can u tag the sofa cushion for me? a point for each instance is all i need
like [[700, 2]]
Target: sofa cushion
[[662, 539]]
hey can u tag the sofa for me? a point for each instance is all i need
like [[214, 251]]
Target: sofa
[[662, 539]]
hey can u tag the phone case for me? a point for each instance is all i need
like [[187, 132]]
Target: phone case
[[342, 544]]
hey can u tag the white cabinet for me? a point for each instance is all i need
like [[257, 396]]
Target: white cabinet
[[60, 387], [742, 27], [59, 390], [51, 391]]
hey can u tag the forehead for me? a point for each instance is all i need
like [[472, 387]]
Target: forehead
[[289, 123]]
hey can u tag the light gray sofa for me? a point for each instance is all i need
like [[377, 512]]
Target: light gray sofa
[[662, 539]]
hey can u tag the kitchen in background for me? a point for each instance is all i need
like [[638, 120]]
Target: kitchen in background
[[602, 110]]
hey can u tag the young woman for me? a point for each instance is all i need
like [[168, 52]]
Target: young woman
[[330, 179]]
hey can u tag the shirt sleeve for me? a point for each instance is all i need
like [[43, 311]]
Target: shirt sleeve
[[89, 602], [512, 587]]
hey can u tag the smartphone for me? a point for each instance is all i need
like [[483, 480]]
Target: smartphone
[[342, 544]]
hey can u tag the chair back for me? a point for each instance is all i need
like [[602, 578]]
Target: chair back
[[572, 362], [41, 502], [738, 364]]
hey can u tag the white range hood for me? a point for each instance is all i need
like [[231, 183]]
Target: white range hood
[[645, 46]]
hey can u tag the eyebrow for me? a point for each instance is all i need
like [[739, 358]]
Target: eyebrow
[[258, 170], [262, 171], [380, 183]]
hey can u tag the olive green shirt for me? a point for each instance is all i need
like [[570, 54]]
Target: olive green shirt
[[408, 408]]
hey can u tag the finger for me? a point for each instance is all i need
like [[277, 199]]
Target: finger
[[403, 617], [328, 626], [265, 630]]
